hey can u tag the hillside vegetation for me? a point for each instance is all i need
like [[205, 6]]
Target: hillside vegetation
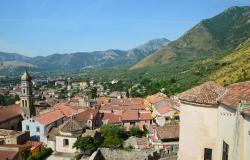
[[221, 33], [235, 66]]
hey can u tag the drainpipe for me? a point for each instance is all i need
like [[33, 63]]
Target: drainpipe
[[242, 106]]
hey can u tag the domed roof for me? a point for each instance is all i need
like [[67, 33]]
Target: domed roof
[[26, 76], [72, 126]]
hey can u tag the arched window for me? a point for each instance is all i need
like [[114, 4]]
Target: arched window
[[65, 142]]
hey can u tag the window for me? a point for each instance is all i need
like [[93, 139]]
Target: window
[[27, 128], [25, 103], [37, 129], [65, 142], [22, 103], [207, 154], [23, 91], [225, 151]]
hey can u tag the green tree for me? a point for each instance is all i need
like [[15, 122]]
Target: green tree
[[136, 131], [113, 130], [114, 136], [93, 92], [113, 142], [87, 143], [43, 154]]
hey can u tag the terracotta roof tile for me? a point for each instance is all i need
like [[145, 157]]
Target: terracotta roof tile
[[168, 132], [164, 109], [145, 116], [129, 115], [50, 117], [127, 101], [8, 112], [86, 115], [65, 109], [156, 98], [72, 126], [111, 118], [235, 93], [207, 93]]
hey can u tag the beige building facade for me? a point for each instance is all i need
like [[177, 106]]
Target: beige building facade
[[215, 122]]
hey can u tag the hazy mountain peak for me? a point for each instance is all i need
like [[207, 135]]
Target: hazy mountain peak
[[79, 60], [222, 32]]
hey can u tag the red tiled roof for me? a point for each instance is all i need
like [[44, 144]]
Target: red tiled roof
[[5, 155], [164, 109], [86, 115], [155, 98], [207, 93], [111, 118], [50, 117], [130, 115], [127, 101], [145, 116], [66, 110], [8, 112], [236, 93]]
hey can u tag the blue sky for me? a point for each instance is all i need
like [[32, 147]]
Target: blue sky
[[43, 27]]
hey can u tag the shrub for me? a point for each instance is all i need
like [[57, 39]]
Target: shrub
[[87, 143], [44, 153], [112, 142], [136, 131]]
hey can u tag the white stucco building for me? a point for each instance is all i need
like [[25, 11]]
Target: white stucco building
[[198, 122], [215, 122], [67, 136], [233, 141]]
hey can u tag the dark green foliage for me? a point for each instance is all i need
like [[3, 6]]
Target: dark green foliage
[[43, 154], [93, 92], [112, 142], [87, 143], [113, 136], [113, 130], [136, 131], [78, 156], [6, 100]]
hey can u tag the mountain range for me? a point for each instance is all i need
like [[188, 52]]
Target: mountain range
[[82, 60], [223, 32], [215, 49]]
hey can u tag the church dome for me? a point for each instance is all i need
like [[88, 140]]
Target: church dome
[[26, 76]]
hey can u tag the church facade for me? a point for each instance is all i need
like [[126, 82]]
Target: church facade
[[11, 116]]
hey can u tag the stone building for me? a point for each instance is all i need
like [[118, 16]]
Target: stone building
[[10, 117], [13, 137], [26, 97]]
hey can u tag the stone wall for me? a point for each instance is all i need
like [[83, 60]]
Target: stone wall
[[109, 154], [135, 154]]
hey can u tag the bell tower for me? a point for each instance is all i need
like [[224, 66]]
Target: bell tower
[[26, 97]]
